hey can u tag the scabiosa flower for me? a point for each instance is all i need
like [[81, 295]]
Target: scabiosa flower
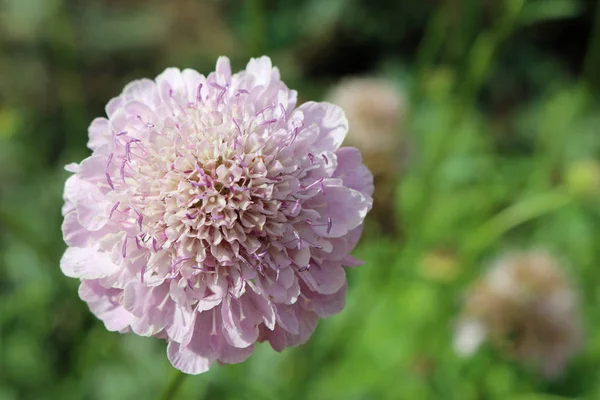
[[525, 306], [215, 214]]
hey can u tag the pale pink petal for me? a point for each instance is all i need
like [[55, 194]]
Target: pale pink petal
[[331, 122], [104, 304], [86, 263], [326, 278], [198, 355], [352, 171], [99, 133]]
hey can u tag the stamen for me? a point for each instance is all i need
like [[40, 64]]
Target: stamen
[[325, 158], [299, 240], [124, 248], [112, 210], [329, 225], [222, 88], [173, 266], [296, 206], [108, 179], [128, 150], [199, 93], [283, 112], [317, 182], [110, 183], [122, 169], [271, 121], [237, 125], [264, 109], [294, 134], [139, 219]]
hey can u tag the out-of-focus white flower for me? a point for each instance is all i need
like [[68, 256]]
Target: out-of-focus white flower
[[525, 306], [375, 109]]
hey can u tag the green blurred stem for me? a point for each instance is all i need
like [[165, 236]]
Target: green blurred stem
[[479, 61], [484, 49], [510, 218], [432, 42], [174, 386], [592, 59]]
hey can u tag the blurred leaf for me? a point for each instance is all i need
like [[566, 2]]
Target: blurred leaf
[[543, 10]]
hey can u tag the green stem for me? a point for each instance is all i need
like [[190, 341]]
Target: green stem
[[484, 49], [174, 386], [479, 60], [592, 59], [511, 217], [429, 48]]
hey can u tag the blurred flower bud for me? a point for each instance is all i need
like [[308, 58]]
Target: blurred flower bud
[[440, 266], [438, 83], [375, 109], [526, 307], [583, 178]]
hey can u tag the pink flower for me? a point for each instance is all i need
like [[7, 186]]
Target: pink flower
[[215, 214]]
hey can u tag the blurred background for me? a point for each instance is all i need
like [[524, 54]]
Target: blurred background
[[481, 122]]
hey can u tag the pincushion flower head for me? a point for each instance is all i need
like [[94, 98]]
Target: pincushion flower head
[[214, 213], [526, 306]]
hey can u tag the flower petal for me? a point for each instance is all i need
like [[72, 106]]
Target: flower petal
[[103, 303], [86, 263]]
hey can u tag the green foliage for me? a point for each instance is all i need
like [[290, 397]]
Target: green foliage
[[503, 150]]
